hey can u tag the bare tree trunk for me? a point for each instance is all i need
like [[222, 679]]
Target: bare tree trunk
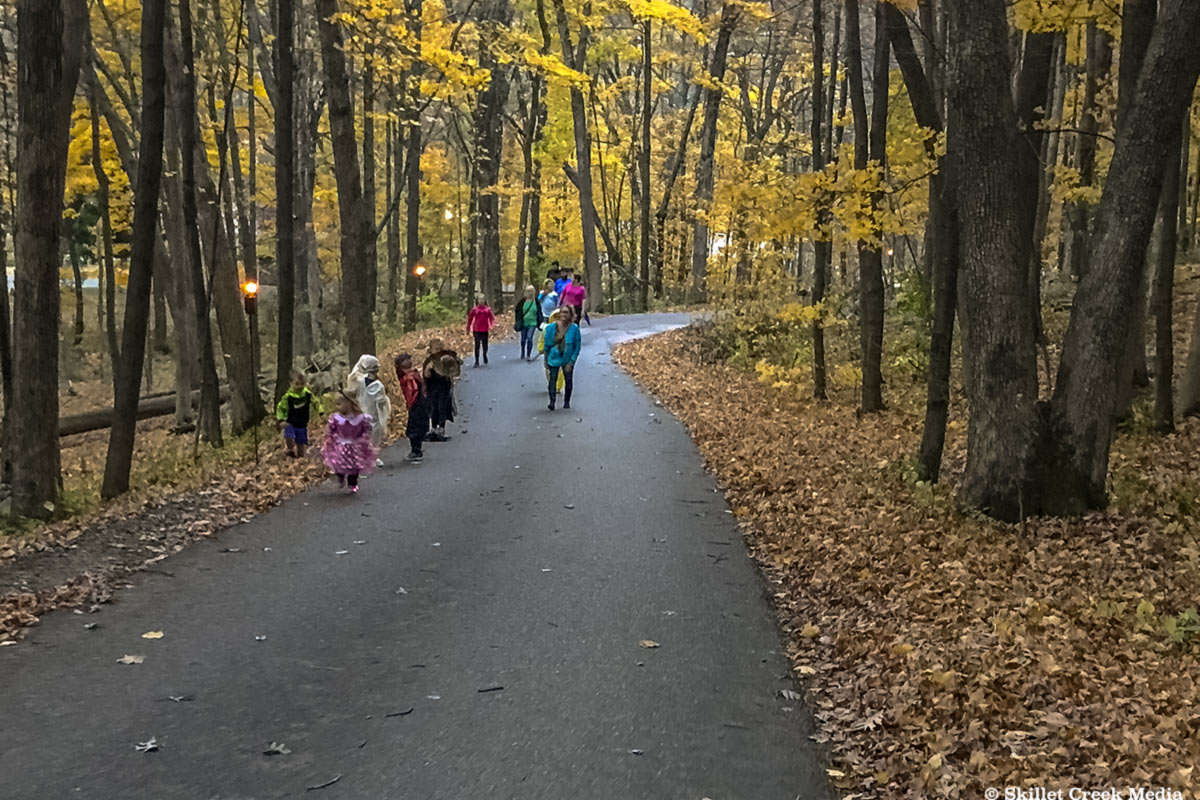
[[1164, 290], [412, 165], [675, 166], [1082, 418], [870, 259], [307, 267], [77, 275], [285, 191], [822, 248], [395, 182], [644, 170], [575, 57], [49, 36], [368, 165], [489, 132], [128, 373], [358, 272], [182, 301], [702, 197], [1099, 62], [995, 247]]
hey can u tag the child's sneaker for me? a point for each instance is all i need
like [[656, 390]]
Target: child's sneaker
[[414, 458], [353, 490]]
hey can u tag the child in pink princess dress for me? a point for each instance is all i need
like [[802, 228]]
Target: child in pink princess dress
[[348, 451]]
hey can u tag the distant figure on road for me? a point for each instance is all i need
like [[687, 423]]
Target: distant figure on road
[[293, 411], [563, 342], [372, 397], [480, 320], [575, 296], [439, 370], [561, 279], [548, 298], [528, 316], [348, 451], [417, 400]]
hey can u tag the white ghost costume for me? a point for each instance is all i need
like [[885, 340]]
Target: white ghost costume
[[371, 395]]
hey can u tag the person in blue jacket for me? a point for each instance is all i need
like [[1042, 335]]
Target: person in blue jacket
[[562, 346]]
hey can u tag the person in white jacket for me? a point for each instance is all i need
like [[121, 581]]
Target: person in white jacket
[[372, 397]]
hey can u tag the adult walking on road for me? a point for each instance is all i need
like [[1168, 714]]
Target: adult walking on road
[[574, 296], [480, 320], [528, 317], [563, 343]]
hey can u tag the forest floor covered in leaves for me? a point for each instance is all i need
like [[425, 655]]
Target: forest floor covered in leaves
[[944, 653], [175, 499]]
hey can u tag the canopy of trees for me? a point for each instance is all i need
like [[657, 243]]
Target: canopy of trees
[[842, 155]]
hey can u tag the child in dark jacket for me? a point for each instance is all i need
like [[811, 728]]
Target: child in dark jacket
[[440, 368], [417, 400]]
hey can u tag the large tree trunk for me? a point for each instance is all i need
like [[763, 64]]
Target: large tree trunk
[[285, 191], [1082, 419], [489, 141], [995, 244], [357, 233], [309, 292], [180, 296], [575, 57], [822, 248], [49, 38], [128, 374], [1137, 28], [1032, 104], [703, 194]]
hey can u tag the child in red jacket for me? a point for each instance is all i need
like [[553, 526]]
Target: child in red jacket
[[413, 387], [480, 320]]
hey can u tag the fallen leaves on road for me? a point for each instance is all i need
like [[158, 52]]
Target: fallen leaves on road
[[948, 653], [276, 749], [148, 746], [128, 659], [152, 635], [649, 644]]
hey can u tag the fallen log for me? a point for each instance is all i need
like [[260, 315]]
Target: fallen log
[[148, 408]]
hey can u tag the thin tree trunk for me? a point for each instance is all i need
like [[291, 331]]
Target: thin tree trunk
[[644, 154], [412, 165], [703, 195], [357, 233], [77, 275], [1164, 290], [870, 257], [285, 191], [49, 33], [368, 163], [395, 180], [183, 308], [822, 248], [489, 131], [575, 57], [141, 260], [186, 115], [1099, 62]]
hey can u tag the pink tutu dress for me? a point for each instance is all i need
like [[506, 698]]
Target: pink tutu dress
[[348, 447]]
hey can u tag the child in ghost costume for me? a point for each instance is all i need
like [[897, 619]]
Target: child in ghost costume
[[364, 385]]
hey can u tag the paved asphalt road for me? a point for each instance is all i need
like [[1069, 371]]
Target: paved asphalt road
[[533, 553]]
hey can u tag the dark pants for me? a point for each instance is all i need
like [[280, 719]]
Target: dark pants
[[418, 424], [527, 337], [578, 313], [351, 479], [481, 338], [568, 383]]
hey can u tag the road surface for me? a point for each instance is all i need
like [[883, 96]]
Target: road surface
[[466, 628]]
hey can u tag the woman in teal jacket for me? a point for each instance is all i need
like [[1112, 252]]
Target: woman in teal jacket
[[562, 351]]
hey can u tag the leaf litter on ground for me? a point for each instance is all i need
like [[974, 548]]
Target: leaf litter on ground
[[946, 651]]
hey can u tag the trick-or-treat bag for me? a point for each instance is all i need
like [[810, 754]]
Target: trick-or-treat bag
[[561, 382]]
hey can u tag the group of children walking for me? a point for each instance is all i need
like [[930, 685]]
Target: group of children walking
[[358, 425]]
